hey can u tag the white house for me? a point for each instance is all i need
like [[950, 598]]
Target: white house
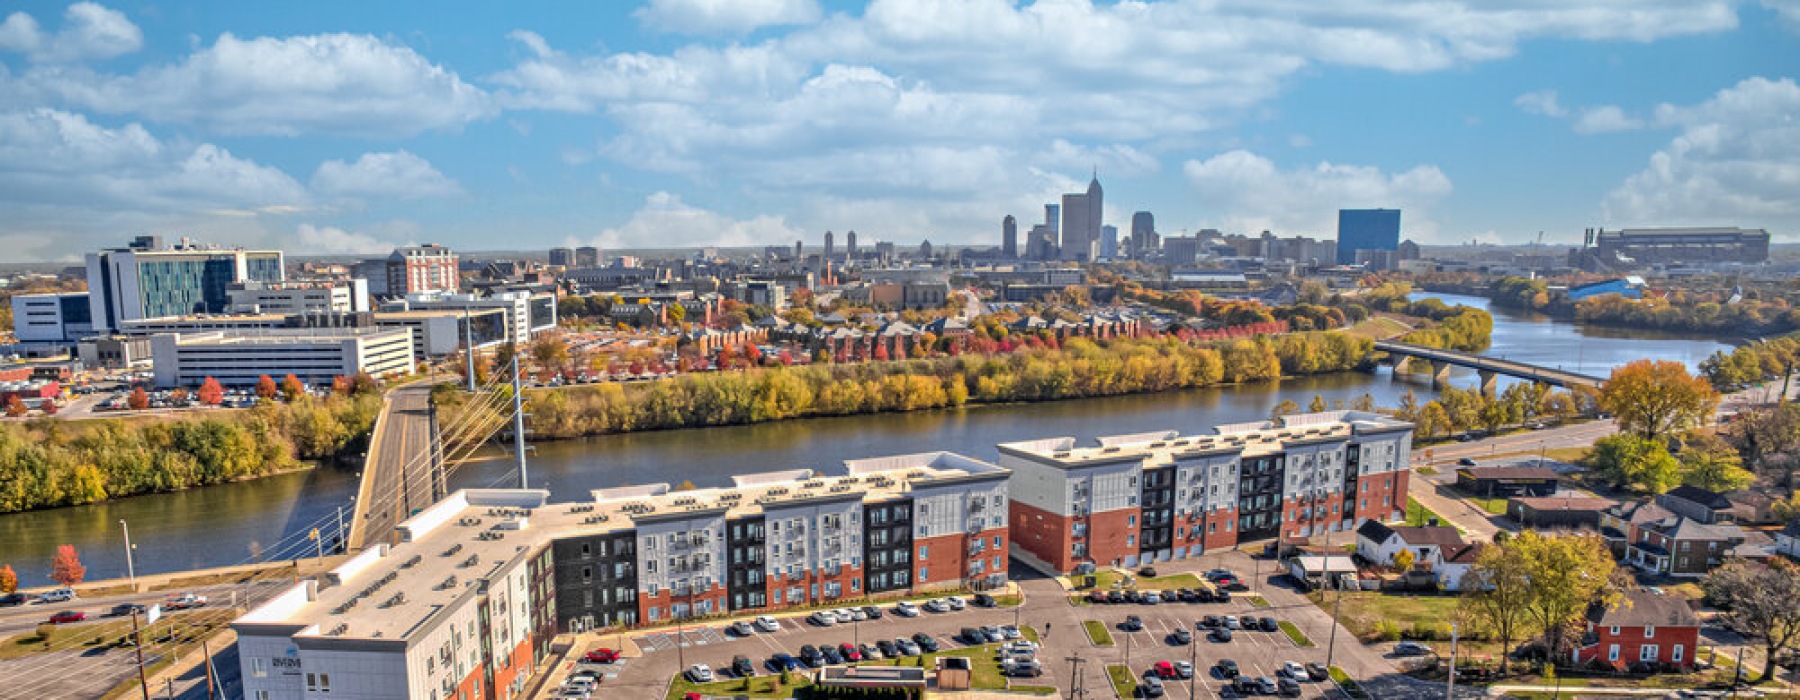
[[1440, 550]]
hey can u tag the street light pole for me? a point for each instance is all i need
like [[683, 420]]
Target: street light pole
[[1075, 676], [130, 568], [1450, 685]]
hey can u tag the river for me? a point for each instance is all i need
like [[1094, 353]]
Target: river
[[237, 523]]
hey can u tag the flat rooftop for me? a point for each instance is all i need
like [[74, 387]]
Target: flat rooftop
[[394, 592], [1245, 439]]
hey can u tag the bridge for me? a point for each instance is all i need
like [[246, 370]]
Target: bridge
[[1488, 368]]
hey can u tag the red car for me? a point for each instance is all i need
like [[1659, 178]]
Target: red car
[[1165, 669], [67, 616], [850, 653], [601, 656]]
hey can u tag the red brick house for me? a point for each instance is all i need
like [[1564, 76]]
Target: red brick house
[[1646, 630]]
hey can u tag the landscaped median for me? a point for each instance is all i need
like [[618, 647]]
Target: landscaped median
[[1350, 688], [771, 686], [1294, 633], [1123, 682], [1097, 633]]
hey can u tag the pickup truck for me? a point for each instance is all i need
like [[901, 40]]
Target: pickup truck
[[184, 602]]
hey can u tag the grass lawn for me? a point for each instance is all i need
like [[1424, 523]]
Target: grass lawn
[[1123, 682], [1378, 328], [108, 631], [1363, 609], [1035, 689], [1294, 633], [1097, 633], [1418, 515], [765, 686], [1428, 471], [1108, 578], [1343, 680], [1494, 506], [1259, 601]]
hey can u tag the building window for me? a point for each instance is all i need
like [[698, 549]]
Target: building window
[[1647, 652], [1649, 631], [1675, 654], [259, 668], [1612, 652], [1614, 630], [924, 551], [924, 574]]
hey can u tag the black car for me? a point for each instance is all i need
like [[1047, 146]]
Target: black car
[[887, 648], [833, 655], [1147, 572], [1115, 597], [926, 642], [126, 610], [1132, 596], [1221, 635], [1188, 595], [1287, 687], [1242, 686], [983, 600], [741, 667], [1133, 623], [11, 599], [1181, 636], [1211, 622], [972, 635], [1466, 462], [1269, 624], [1317, 671], [1236, 585], [810, 656], [873, 612], [1228, 668]]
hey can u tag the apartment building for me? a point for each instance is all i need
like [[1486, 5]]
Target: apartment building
[[315, 356], [1132, 499]]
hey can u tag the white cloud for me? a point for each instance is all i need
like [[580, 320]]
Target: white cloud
[[666, 222], [1248, 193], [1788, 10], [337, 84], [397, 175], [328, 240], [725, 16], [1542, 102], [89, 32], [1735, 162], [1605, 119]]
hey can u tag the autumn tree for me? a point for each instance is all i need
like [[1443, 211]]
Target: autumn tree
[[65, 566], [363, 383], [1567, 573], [1625, 459], [138, 400], [1657, 398], [1497, 592], [1707, 462], [1759, 601], [1317, 405], [265, 388], [15, 406], [291, 388], [1404, 560], [211, 392], [677, 314], [550, 351], [1287, 407], [9, 581]]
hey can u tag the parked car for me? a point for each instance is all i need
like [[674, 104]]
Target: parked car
[[810, 656], [833, 657], [1150, 597], [1411, 649], [908, 647], [823, 618], [1266, 685], [992, 633], [741, 666], [1163, 669], [1184, 669], [1466, 462], [1227, 668], [1147, 572], [850, 653], [1231, 622], [1287, 687], [785, 662], [937, 605], [601, 656], [126, 609], [1134, 596], [887, 648], [926, 642], [1021, 667], [971, 635], [956, 602], [67, 616], [1011, 631], [1133, 623], [1114, 597], [741, 629], [1152, 687], [700, 673], [1235, 585], [1096, 597], [852, 615], [1291, 669], [983, 600], [1221, 635], [1317, 671], [1217, 574], [906, 609], [1269, 624], [767, 623], [871, 612], [1019, 646], [1187, 595], [12, 599], [1181, 636], [869, 652]]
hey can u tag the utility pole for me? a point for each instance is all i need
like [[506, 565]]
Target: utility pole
[[1193, 673], [137, 636], [1331, 646], [519, 421], [206, 654], [1074, 675], [1450, 684], [130, 568]]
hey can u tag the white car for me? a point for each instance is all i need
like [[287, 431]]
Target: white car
[[57, 596], [1012, 632], [1019, 647], [823, 618], [700, 673], [937, 605], [844, 615], [767, 624], [1294, 670], [1231, 623], [956, 603], [858, 615], [906, 609]]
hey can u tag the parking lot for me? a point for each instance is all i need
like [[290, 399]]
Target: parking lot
[[1059, 624]]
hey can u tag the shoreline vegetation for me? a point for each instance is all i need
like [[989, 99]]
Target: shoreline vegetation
[[1681, 311]]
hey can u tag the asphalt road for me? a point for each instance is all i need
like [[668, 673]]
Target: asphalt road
[[1060, 623]]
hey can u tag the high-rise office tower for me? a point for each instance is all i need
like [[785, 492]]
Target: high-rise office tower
[[828, 246], [1366, 229], [562, 256], [1053, 223], [1081, 216], [1143, 234], [126, 284], [1109, 242], [1009, 237], [850, 245], [587, 256]]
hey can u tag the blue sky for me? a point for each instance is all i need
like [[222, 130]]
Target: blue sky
[[340, 127]]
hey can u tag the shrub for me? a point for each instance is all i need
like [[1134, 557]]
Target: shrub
[[1387, 631]]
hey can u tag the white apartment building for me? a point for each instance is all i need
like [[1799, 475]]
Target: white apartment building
[[314, 355], [287, 298]]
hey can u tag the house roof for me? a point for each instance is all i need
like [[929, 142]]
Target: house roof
[[1700, 496], [1465, 555], [1642, 512], [1508, 472], [1679, 528], [1565, 503], [1642, 608], [1375, 530], [1443, 537]]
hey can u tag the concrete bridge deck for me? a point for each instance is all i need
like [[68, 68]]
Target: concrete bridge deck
[[1488, 368]]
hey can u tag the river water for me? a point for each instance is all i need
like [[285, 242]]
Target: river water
[[270, 517]]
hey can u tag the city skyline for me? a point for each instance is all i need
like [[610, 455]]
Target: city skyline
[[694, 123]]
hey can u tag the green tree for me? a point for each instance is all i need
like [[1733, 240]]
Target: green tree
[[1657, 398], [1498, 590], [1759, 601], [1285, 408], [1567, 573], [1433, 420], [1712, 465], [1628, 460]]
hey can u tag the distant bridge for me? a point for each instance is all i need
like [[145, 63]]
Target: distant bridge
[[1488, 368]]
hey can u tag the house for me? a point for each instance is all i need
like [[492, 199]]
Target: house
[[1680, 546], [1436, 549], [1750, 507], [1506, 482], [1619, 523], [1788, 540], [1558, 512], [1698, 504], [1646, 628]]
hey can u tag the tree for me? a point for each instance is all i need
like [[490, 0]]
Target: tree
[[1498, 591], [550, 351], [9, 581], [138, 400], [363, 383], [1657, 398], [1628, 460], [1759, 601], [1404, 560], [677, 313], [1787, 508], [1433, 420], [1567, 574], [291, 388], [1712, 465], [211, 392], [65, 566], [1317, 405], [1286, 408], [15, 406], [265, 388]]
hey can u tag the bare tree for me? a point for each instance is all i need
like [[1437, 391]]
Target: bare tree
[[1760, 602]]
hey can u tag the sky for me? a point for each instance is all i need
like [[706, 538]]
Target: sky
[[336, 127]]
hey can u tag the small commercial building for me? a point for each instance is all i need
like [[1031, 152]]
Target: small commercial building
[[315, 356], [1558, 512], [1506, 482], [1320, 572]]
